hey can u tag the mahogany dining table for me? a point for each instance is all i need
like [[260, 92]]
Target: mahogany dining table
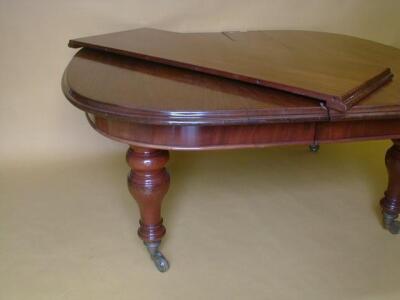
[[155, 107]]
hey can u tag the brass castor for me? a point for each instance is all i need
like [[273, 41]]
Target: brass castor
[[158, 258], [390, 223], [314, 148]]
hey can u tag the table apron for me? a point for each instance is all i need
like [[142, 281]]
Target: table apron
[[198, 137], [342, 131]]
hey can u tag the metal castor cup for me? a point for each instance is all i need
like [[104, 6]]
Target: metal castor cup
[[314, 148], [158, 258], [390, 223]]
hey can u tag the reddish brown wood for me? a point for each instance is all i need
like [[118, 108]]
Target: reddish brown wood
[[192, 137], [230, 137], [118, 86], [357, 130], [148, 183], [151, 93], [391, 202], [280, 59]]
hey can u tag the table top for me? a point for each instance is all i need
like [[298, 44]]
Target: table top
[[316, 65], [147, 92]]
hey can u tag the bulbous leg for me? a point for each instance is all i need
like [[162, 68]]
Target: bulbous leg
[[148, 182], [391, 202]]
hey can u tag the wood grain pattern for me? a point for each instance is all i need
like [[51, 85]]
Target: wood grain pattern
[[123, 87], [350, 130], [283, 60], [194, 137], [147, 92]]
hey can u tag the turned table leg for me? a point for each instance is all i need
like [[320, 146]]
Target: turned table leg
[[148, 182], [391, 202]]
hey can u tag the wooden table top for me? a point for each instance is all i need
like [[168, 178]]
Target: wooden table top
[[153, 93], [304, 63]]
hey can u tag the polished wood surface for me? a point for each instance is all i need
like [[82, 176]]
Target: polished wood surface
[[391, 202], [147, 92], [151, 93], [285, 60], [148, 182], [194, 137], [357, 130]]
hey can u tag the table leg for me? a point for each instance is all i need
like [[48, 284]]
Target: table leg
[[391, 202], [148, 182]]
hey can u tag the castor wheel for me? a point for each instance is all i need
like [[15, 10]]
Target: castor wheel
[[314, 148], [390, 223], [157, 257]]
